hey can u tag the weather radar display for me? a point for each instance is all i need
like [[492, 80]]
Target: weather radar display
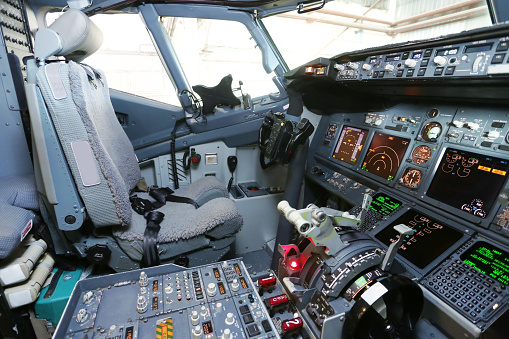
[[385, 155], [350, 144]]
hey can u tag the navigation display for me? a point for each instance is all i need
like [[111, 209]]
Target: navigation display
[[430, 238], [468, 181], [384, 204], [385, 155], [350, 144], [488, 259]]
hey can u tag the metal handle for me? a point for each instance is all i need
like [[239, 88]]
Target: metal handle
[[301, 5]]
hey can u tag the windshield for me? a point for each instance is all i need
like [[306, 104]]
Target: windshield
[[349, 25]]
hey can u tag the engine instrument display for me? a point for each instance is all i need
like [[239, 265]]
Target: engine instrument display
[[350, 144], [384, 204], [489, 260], [412, 177], [431, 131], [385, 155], [421, 154], [430, 238], [468, 181]]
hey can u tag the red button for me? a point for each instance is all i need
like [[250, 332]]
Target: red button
[[267, 282], [195, 160], [292, 324], [279, 300]]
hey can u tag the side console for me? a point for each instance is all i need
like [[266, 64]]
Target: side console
[[212, 301]]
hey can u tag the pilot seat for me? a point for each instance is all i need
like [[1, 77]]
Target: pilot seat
[[86, 164]]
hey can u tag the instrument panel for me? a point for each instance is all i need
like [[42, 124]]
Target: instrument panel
[[466, 59], [431, 169], [410, 148]]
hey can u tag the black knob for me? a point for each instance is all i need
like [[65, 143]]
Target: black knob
[[316, 171]]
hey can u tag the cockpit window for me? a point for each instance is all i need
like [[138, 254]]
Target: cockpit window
[[128, 58], [210, 49], [349, 25]]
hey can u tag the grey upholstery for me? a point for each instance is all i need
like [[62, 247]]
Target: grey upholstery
[[18, 196], [80, 37], [105, 168]]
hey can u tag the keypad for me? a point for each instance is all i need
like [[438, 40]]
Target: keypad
[[469, 291]]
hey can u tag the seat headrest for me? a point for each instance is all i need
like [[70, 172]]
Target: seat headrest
[[80, 37]]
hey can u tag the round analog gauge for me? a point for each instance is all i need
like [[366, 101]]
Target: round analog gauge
[[431, 131], [412, 177], [421, 154]]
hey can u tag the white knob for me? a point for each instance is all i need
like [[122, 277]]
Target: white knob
[[367, 67], [88, 297], [203, 311], [339, 67], [168, 289], [378, 122], [227, 334], [142, 304], [440, 60], [82, 316], [352, 65], [389, 68], [473, 125], [197, 333], [211, 289], [493, 134], [195, 318], [143, 279], [229, 319], [368, 120], [410, 63], [457, 124], [219, 307], [235, 285]]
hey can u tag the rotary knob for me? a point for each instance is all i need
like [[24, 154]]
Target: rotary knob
[[195, 318], [410, 63], [389, 68], [230, 319], [143, 279], [227, 334], [168, 289], [378, 122], [219, 307], [440, 60], [472, 125], [203, 311], [457, 124], [211, 289], [339, 67], [493, 134], [367, 67], [82, 316], [197, 332], [142, 304], [88, 297], [235, 285], [352, 65]]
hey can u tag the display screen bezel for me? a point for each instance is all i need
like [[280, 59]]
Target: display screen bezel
[[492, 245], [485, 222], [420, 272], [339, 131], [397, 174]]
